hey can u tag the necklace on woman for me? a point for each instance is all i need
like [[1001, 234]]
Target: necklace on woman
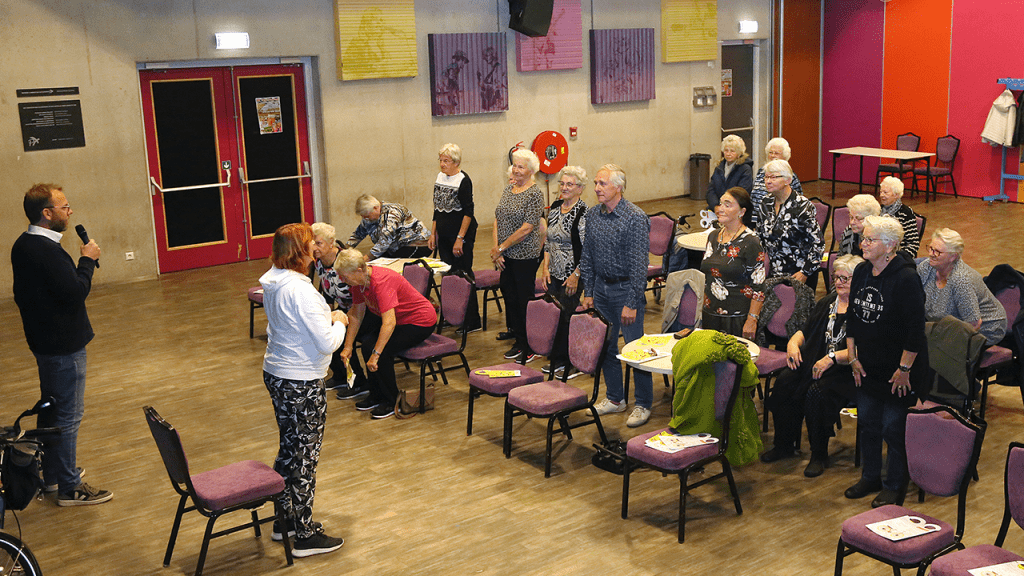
[[833, 341], [732, 237]]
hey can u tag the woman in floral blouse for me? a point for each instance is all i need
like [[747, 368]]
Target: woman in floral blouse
[[733, 269]]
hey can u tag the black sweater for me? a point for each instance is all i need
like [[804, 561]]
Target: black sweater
[[50, 292]]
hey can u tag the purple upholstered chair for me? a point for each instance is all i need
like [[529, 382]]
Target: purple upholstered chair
[[942, 453], [682, 463], [960, 562], [487, 281], [556, 400], [255, 301], [245, 485], [456, 291], [419, 274], [908, 142], [946, 149], [771, 361], [663, 228], [994, 358], [541, 325], [822, 214]]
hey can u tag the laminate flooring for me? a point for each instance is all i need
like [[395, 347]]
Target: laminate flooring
[[420, 496]]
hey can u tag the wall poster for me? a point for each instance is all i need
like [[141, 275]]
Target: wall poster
[[468, 73], [375, 39], [561, 49], [621, 65], [689, 30]]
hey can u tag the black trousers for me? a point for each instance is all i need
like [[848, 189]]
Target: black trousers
[[560, 350], [518, 281], [382, 384]]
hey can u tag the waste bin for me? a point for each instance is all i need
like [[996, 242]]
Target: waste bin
[[700, 175]]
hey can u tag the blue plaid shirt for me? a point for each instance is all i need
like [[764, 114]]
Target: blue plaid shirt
[[617, 246]]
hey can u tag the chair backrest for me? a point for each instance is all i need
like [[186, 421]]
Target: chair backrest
[[542, 324], [663, 229], [908, 142], [418, 273], [455, 293], [822, 213], [688, 308], [942, 450], [954, 349], [727, 389], [787, 299], [1010, 299], [588, 337], [840, 221], [922, 221], [946, 149], [169, 444], [1014, 483]]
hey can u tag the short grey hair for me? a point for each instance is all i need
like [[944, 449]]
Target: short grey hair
[[616, 175], [349, 260], [781, 143], [892, 184], [888, 229], [452, 151], [779, 167], [951, 238], [575, 172], [846, 263], [365, 204], [864, 205], [532, 162], [736, 143], [324, 231]]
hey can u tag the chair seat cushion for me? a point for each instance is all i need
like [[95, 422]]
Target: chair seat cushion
[[933, 171], [637, 450], [958, 563], [486, 278], [653, 270], [256, 294], [907, 167], [546, 398], [236, 483], [769, 361], [909, 551], [501, 386], [434, 345], [995, 355]]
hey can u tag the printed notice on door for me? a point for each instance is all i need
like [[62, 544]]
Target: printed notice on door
[[268, 110], [726, 82]]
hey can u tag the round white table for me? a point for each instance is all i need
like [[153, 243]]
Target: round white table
[[695, 241], [663, 344], [397, 264]]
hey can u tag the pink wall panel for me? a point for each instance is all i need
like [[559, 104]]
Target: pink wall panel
[[851, 97], [985, 47], [561, 49]]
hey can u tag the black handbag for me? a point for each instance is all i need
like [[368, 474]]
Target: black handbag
[[610, 457], [20, 474]]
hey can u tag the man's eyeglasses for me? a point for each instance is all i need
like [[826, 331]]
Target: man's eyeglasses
[[64, 207]]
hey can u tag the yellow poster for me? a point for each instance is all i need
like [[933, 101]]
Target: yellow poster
[[375, 39], [689, 30]]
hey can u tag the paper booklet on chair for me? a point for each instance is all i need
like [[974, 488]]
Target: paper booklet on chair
[[672, 443], [1014, 568], [903, 527], [499, 373]]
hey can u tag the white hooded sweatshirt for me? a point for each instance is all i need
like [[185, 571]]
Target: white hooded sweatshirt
[[300, 334], [1002, 119]]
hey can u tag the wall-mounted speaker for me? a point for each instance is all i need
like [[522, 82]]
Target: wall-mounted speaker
[[530, 17]]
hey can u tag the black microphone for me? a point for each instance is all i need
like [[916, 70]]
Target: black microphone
[[85, 237]]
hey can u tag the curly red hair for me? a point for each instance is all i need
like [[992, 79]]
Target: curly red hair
[[291, 247]]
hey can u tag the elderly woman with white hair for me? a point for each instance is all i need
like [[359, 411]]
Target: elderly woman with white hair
[[395, 232], [952, 288], [776, 149], [890, 196], [885, 332], [517, 246], [453, 230], [735, 169], [788, 227], [860, 207]]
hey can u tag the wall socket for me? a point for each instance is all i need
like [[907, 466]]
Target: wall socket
[[129, 255]]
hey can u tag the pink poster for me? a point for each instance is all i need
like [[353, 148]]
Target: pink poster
[[561, 49]]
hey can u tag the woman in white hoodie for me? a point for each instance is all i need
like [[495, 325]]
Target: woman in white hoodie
[[302, 333]]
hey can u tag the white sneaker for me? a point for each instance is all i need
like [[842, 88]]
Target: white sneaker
[[606, 406], [638, 417]]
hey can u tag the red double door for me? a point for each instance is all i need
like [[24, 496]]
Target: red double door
[[228, 153]]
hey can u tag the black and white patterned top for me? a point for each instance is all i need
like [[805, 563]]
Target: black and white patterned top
[[617, 249], [453, 200], [965, 297], [514, 210], [331, 285], [733, 274], [911, 239], [395, 228], [791, 238], [565, 241], [758, 191], [850, 243]]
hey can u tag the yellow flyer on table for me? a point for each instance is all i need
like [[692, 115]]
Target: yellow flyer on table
[[641, 355], [655, 339]]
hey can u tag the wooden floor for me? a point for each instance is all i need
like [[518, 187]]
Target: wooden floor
[[419, 496]]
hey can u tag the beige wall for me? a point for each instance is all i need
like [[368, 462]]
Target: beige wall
[[377, 136]]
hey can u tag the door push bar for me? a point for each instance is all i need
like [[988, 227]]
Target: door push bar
[[154, 185], [241, 176]]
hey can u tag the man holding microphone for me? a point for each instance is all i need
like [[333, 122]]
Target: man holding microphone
[[50, 291]]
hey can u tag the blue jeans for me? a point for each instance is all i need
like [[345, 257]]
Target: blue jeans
[[609, 300], [62, 377], [879, 419]]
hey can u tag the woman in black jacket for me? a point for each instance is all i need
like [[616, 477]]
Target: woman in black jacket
[[735, 169]]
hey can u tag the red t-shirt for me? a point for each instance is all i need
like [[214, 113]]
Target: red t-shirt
[[390, 290]]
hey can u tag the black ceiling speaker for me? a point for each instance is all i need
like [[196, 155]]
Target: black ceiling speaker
[[530, 17]]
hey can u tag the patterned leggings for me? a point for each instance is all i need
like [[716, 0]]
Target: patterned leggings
[[300, 407]]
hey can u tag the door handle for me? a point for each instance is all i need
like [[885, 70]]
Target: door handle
[[154, 185]]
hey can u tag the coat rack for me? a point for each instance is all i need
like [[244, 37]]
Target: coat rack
[[1011, 84]]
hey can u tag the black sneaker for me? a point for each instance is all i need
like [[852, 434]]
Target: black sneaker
[[549, 367], [468, 330], [573, 372], [530, 357], [84, 495], [513, 353], [382, 411], [276, 534], [506, 335], [332, 384], [350, 393], [318, 543], [366, 404]]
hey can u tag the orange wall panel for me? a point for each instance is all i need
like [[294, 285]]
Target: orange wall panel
[[801, 83]]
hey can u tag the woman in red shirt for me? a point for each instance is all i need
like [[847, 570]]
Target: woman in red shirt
[[393, 315]]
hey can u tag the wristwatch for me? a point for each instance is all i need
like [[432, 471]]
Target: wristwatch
[[832, 357], [904, 368]]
